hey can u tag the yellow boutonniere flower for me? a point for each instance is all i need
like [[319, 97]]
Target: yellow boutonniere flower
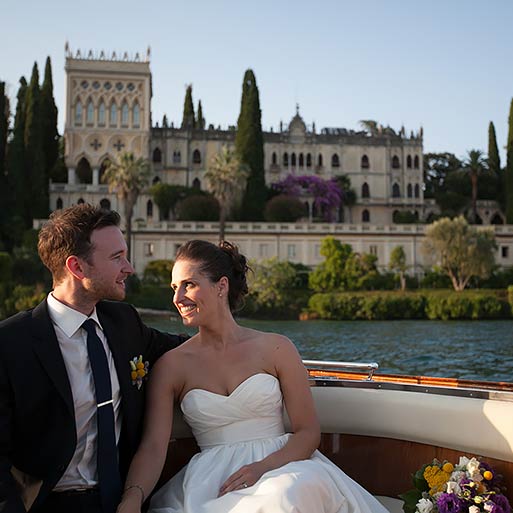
[[138, 370]]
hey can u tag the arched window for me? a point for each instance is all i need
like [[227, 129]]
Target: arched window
[[113, 121], [409, 191], [90, 113], [136, 116], [274, 158], [301, 160], [417, 190], [308, 160], [365, 216], [177, 157], [105, 204], [285, 159], [196, 157], [80, 201], [84, 171], [396, 191], [157, 156], [496, 219], [395, 162], [319, 160], [124, 114], [78, 113], [293, 160], [335, 161], [196, 184], [365, 190], [365, 162], [101, 114], [58, 204], [155, 180], [149, 208], [408, 161], [102, 170], [416, 162]]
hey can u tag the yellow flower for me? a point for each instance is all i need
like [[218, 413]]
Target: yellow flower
[[436, 478], [140, 365], [141, 373], [448, 467], [487, 475], [133, 374]]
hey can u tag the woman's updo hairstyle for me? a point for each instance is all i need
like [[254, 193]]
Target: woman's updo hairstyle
[[216, 261]]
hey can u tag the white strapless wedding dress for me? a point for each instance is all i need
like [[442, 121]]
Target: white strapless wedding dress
[[242, 428]]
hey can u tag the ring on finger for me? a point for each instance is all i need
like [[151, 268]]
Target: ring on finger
[[244, 484]]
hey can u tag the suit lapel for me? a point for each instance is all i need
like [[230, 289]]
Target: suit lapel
[[47, 348]]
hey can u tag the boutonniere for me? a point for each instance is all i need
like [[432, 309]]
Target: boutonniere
[[139, 370]]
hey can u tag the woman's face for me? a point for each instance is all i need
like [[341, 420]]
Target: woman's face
[[196, 298]]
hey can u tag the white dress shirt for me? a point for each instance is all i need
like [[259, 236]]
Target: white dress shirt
[[81, 471]]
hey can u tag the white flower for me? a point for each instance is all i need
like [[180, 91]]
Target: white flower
[[473, 509], [463, 462], [424, 506], [453, 487], [473, 467], [488, 506]]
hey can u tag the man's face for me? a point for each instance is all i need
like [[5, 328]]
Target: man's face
[[108, 267]]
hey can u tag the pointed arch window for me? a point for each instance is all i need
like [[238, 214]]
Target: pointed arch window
[[105, 204], [78, 113], [293, 160], [196, 184], [149, 208], [274, 158], [319, 160], [301, 160], [409, 191], [101, 114], [395, 162], [396, 191], [408, 161], [196, 157], [59, 204], [136, 116], [365, 190], [308, 160], [365, 162], [80, 201], [416, 162], [90, 113], [177, 157], [113, 121], [124, 115], [157, 156], [285, 159], [417, 190], [335, 160], [365, 216]]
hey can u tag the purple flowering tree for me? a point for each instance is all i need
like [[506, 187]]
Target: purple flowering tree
[[327, 194]]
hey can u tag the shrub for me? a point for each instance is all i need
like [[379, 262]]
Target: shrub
[[283, 208], [200, 207], [158, 272]]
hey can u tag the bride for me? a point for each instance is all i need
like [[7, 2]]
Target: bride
[[230, 382]]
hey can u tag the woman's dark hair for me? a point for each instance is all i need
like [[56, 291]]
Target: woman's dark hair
[[217, 261]]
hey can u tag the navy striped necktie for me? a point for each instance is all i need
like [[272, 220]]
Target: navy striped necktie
[[107, 454]]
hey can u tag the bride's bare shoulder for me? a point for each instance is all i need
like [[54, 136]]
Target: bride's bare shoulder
[[270, 341]]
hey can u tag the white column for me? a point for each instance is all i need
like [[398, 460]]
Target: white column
[[72, 177], [96, 176]]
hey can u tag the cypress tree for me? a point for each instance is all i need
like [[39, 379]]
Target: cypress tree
[[16, 150], [249, 144], [50, 136], [200, 121], [509, 169], [37, 182], [165, 124], [5, 196], [494, 164], [188, 109]]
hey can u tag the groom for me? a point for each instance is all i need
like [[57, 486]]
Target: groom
[[71, 404]]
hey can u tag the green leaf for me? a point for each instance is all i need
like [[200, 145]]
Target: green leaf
[[410, 498]]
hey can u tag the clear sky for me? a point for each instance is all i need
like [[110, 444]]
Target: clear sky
[[444, 64]]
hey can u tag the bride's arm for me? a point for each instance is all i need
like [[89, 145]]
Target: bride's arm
[[298, 399], [148, 462]]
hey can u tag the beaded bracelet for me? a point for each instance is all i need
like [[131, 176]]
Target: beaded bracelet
[[139, 488]]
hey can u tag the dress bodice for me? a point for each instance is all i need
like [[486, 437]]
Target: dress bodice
[[252, 411]]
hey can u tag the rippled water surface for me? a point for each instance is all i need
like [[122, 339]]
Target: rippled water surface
[[459, 349]]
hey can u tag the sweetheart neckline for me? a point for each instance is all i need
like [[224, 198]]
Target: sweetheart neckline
[[233, 391]]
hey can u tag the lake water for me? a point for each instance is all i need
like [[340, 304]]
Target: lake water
[[459, 349]]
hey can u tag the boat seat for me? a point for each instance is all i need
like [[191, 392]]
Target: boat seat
[[393, 505]]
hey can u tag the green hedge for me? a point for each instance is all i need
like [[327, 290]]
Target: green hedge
[[510, 297], [441, 304]]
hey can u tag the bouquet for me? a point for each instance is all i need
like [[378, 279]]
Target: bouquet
[[471, 486]]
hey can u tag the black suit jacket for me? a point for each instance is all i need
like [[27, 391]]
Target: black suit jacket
[[37, 421]]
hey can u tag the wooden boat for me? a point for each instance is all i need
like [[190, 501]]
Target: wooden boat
[[381, 428]]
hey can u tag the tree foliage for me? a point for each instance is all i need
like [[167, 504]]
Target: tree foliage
[[474, 165], [462, 251], [285, 209], [200, 120], [188, 109], [397, 264], [127, 178], [167, 196], [249, 145], [509, 169], [226, 178], [198, 207]]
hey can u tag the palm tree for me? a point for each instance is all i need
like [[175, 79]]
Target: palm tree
[[473, 165], [226, 177], [127, 178], [369, 125]]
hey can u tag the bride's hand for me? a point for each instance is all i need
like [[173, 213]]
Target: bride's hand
[[245, 477]]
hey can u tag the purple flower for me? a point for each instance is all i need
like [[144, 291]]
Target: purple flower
[[501, 503], [495, 482], [450, 503]]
